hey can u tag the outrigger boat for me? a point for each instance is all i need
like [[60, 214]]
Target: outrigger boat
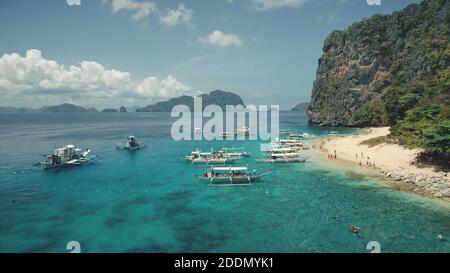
[[244, 131], [333, 133], [66, 156], [230, 176], [131, 144], [277, 158], [282, 132], [239, 152], [299, 136], [278, 149], [199, 157]]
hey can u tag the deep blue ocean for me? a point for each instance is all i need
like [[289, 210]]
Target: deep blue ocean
[[148, 200]]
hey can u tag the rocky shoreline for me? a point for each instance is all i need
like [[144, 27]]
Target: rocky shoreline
[[437, 185]]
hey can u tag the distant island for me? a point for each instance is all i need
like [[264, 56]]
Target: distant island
[[218, 97], [390, 70], [301, 107], [61, 108], [109, 110]]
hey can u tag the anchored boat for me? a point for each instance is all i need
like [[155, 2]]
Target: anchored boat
[[199, 157], [275, 159], [299, 136], [66, 156], [233, 151], [230, 176], [131, 144]]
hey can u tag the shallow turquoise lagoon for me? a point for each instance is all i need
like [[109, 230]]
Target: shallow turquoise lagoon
[[148, 201]]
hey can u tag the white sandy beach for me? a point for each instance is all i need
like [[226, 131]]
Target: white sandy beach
[[390, 160]]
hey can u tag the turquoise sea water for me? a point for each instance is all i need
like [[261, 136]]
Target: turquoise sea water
[[148, 201]]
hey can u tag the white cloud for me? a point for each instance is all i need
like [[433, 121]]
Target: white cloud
[[180, 15], [263, 5], [220, 39], [167, 88], [139, 9], [33, 77]]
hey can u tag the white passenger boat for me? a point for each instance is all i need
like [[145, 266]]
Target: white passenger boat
[[131, 144], [66, 156], [199, 157], [282, 160], [285, 157], [333, 133], [282, 132], [233, 151], [230, 176], [280, 149], [299, 136]]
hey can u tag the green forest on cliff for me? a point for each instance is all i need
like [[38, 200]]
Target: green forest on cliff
[[419, 110], [413, 47]]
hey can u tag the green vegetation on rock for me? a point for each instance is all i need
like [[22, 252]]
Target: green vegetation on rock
[[390, 70]]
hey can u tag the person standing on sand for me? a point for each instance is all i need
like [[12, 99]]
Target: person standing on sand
[[356, 155], [362, 155]]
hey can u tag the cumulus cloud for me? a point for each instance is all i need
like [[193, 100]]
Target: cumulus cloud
[[139, 9], [263, 5], [180, 15], [220, 39], [33, 76]]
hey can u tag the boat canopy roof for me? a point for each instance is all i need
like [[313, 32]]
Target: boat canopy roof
[[286, 154], [282, 149], [229, 168]]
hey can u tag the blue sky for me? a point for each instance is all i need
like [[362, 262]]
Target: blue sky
[[136, 52]]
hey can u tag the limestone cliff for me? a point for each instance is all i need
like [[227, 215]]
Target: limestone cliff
[[362, 66]]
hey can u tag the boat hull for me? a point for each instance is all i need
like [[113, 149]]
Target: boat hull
[[213, 161], [231, 181]]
